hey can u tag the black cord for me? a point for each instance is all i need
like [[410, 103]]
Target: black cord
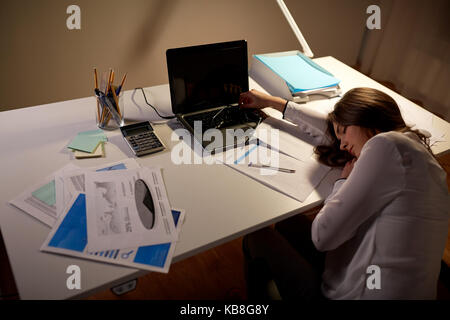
[[164, 117]]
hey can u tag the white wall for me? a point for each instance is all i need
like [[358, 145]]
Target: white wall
[[41, 61]]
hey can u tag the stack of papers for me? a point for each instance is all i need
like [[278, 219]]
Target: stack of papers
[[294, 177], [93, 214], [88, 144], [300, 73]]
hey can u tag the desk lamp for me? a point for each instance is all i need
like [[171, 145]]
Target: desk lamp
[[306, 50], [276, 84]]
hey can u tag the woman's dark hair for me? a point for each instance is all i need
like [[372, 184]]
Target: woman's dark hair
[[367, 108]]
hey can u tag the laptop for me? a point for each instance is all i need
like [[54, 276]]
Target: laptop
[[205, 83]]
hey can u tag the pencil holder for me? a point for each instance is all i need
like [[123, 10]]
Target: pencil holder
[[110, 110]]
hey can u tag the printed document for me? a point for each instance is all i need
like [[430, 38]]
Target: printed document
[[297, 185], [69, 237], [32, 202], [47, 199], [72, 179], [113, 220], [289, 139]]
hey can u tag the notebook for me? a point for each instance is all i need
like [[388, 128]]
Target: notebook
[[205, 83]]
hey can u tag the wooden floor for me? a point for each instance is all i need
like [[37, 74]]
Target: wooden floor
[[216, 274]]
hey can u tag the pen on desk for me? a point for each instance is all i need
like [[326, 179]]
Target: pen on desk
[[263, 166]]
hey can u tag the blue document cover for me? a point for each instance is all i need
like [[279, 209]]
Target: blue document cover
[[299, 72], [70, 237]]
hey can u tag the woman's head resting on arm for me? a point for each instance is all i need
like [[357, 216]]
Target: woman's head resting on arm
[[360, 114]]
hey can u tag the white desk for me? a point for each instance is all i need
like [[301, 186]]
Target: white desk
[[220, 203]]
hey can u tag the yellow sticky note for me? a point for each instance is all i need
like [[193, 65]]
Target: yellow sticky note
[[98, 152]]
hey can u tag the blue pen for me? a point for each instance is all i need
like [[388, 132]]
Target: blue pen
[[245, 155]]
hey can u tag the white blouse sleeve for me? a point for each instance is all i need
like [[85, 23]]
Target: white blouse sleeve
[[308, 120], [375, 180]]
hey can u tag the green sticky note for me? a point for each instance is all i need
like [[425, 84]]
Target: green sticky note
[[87, 141], [46, 193], [98, 134]]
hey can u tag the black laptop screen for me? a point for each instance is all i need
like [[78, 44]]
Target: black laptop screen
[[207, 76]]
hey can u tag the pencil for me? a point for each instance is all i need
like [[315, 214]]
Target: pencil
[[109, 82], [112, 77], [95, 78], [108, 85], [123, 80], [121, 84], [108, 117], [96, 87], [116, 100]]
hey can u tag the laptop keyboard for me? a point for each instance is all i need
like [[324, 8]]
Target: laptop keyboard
[[222, 118]]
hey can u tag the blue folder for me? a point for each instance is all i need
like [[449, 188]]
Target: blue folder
[[299, 72], [72, 235]]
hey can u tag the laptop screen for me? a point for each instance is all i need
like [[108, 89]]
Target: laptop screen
[[207, 76]]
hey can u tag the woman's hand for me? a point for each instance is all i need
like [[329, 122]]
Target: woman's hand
[[258, 100], [348, 168]]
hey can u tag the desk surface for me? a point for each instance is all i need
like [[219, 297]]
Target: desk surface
[[220, 203]]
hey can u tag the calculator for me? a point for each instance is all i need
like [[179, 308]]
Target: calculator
[[141, 138]]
